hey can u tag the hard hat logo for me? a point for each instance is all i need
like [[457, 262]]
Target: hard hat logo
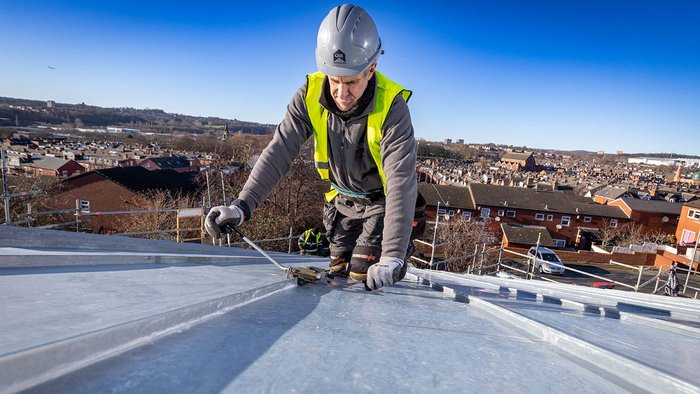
[[351, 28], [339, 57]]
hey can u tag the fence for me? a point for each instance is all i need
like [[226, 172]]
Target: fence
[[478, 267], [289, 238], [180, 213]]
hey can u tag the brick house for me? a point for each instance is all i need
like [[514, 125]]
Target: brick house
[[455, 201], [517, 235], [21, 144], [50, 166], [651, 214], [177, 163], [609, 193], [518, 161], [568, 218], [117, 189], [689, 223]]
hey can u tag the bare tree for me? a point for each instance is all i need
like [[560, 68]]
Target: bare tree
[[461, 238], [26, 184], [161, 222], [631, 233]]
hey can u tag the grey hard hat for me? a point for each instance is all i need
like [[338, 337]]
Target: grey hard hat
[[347, 42]]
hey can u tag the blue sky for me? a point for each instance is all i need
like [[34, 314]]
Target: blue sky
[[595, 75]]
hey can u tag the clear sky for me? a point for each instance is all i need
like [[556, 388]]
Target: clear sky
[[564, 74]]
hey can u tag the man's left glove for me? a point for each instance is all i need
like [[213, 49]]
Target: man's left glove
[[222, 216], [386, 272]]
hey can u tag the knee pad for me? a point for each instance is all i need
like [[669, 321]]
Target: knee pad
[[339, 262], [362, 258]]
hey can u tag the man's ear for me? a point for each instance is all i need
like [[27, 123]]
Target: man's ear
[[371, 70]]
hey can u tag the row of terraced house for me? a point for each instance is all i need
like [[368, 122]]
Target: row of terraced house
[[559, 219]]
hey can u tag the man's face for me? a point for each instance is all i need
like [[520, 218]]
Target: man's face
[[347, 90]]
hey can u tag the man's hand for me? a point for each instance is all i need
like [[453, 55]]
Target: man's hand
[[384, 273], [220, 217]]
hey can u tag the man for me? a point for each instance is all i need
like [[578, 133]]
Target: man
[[363, 145], [313, 241]]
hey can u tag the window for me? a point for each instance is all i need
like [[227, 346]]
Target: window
[[450, 213], [587, 219], [688, 237], [613, 223], [510, 214], [64, 173], [550, 217], [501, 212], [559, 243], [566, 221], [694, 213], [539, 216], [485, 212], [467, 216], [441, 211], [85, 206]]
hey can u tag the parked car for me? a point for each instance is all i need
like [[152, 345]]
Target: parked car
[[546, 261]]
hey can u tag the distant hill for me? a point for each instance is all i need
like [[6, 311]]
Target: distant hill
[[21, 112]]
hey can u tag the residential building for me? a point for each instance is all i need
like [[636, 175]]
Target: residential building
[[518, 161], [570, 220], [518, 235], [118, 189], [454, 201], [689, 224], [609, 193], [50, 166], [652, 215], [177, 163]]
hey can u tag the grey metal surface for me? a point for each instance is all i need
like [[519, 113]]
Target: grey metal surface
[[101, 315], [318, 339]]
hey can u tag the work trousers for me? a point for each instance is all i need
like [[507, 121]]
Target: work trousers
[[360, 226]]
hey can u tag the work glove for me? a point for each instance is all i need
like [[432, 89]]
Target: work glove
[[221, 217], [386, 272]]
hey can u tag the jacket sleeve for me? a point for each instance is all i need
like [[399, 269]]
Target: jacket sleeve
[[398, 148], [277, 157]]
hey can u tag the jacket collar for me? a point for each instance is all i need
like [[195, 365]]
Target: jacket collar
[[367, 100]]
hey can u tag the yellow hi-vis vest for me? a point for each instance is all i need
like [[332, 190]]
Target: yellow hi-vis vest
[[308, 233], [387, 90]]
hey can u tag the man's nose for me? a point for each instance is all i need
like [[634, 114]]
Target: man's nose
[[342, 90]]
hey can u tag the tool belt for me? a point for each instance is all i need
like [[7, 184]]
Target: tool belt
[[362, 198]]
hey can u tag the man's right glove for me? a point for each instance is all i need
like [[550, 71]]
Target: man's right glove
[[222, 216], [384, 273]]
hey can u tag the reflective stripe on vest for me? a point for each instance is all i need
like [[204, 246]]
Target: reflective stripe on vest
[[387, 90]]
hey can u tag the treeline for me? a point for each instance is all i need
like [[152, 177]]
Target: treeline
[[21, 112], [427, 149]]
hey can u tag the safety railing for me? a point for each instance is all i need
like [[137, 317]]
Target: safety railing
[[29, 217], [637, 286], [475, 266], [181, 214], [533, 262], [684, 290], [290, 238]]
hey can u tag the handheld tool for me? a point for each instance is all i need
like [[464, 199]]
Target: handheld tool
[[303, 274]]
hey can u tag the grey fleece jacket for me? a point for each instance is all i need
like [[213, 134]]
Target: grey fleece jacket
[[351, 165]]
